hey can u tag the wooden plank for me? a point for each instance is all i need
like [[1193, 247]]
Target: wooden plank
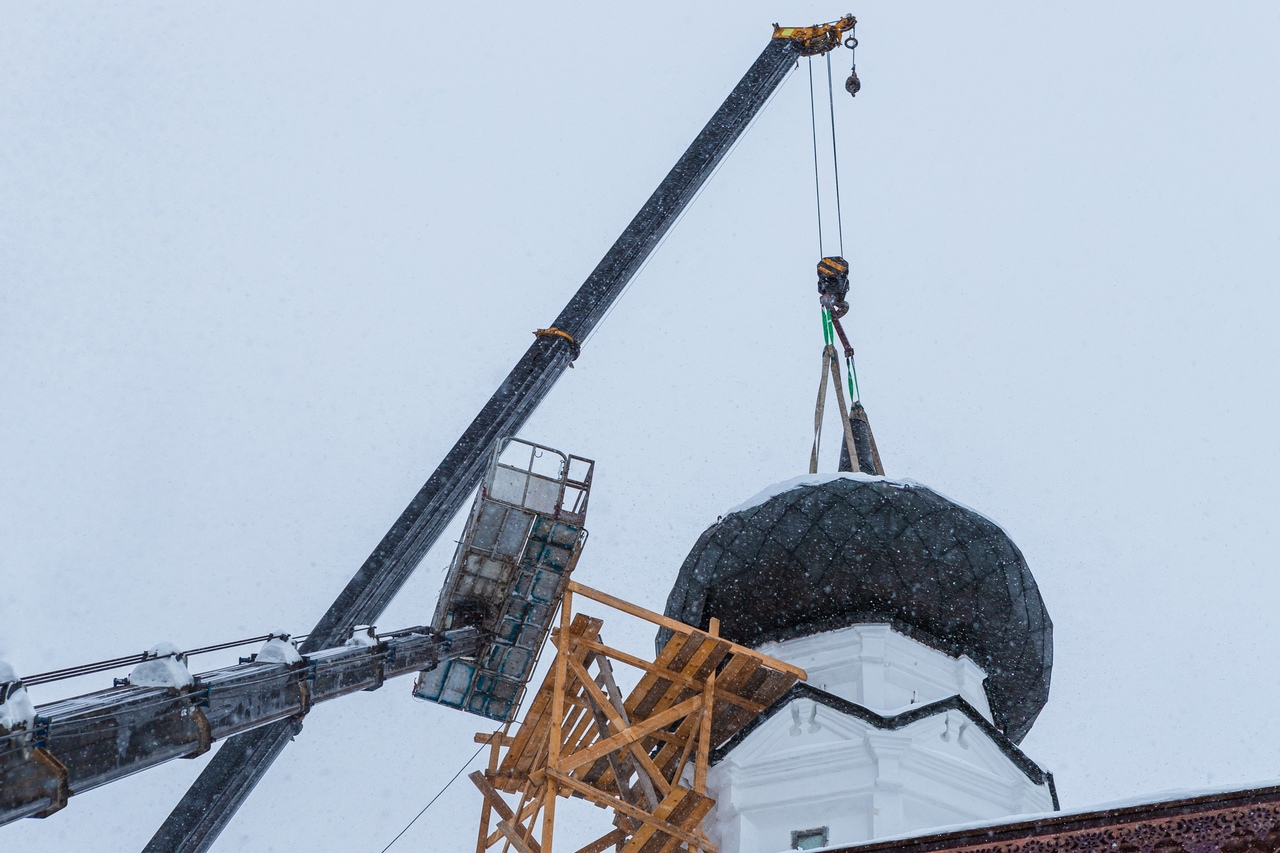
[[491, 796], [557, 695], [759, 677], [649, 770], [582, 732], [604, 774], [704, 737], [694, 645], [514, 839], [481, 838], [665, 758], [736, 673], [651, 678], [650, 692], [704, 726], [581, 736], [525, 811], [679, 627], [616, 719], [611, 688], [686, 812], [549, 806], [719, 652], [499, 805], [555, 737], [684, 752], [533, 718], [582, 626], [619, 705], [528, 797], [694, 661], [530, 747], [593, 795], [604, 842], [775, 684], [494, 740], [737, 669], [497, 738], [646, 833], [629, 735], [646, 763], [577, 701], [689, 814], [729, 721], [722, 695], [663, 740], [614, 762], [726, 720]]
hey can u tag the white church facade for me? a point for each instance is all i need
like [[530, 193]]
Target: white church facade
[[889, 737], [928, 651]]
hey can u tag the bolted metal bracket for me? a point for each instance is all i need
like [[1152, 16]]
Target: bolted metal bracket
[[818, 39]]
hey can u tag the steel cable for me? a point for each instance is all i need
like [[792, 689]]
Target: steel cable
[[436, 797], [817, 181], [140, 657], [680, 217], [835, 156]]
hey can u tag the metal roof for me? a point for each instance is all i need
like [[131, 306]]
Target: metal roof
[[823, 556]]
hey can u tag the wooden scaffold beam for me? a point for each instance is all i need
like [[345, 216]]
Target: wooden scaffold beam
[[643, 755]]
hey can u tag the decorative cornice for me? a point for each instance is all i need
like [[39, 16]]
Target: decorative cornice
[[1033, 771], [1238, 822]]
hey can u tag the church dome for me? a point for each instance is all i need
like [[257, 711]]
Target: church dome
[[824, 552]]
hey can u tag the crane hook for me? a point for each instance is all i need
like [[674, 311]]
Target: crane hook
[[853, 84], [833, 285]]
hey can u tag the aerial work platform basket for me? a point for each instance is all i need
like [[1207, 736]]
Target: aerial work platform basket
[[522, 540]]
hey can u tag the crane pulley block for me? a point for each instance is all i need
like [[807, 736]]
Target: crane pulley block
[[833, 285], [818, 39]]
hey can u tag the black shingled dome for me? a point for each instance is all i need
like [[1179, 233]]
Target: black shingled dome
[[854, 550]]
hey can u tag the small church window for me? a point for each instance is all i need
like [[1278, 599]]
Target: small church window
[[809, 839]]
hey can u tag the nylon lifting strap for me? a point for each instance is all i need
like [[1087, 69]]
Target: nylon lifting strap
[[831, 369]]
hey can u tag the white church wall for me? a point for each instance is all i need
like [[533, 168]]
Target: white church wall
[[811, 766], [876, 667]]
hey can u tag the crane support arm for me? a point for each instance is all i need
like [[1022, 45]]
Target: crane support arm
[[81, 743], [215, 796]]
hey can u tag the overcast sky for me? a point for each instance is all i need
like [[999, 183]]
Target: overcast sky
[[260, 264]]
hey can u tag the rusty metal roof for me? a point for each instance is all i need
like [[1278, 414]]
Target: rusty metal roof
[[1246, 821]]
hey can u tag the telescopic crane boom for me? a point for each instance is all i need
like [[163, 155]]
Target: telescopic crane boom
[[240, 763], [216, 795]]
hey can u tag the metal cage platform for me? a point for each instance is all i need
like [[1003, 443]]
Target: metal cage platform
[[521, 542]]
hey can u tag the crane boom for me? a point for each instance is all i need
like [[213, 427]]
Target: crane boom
[[213, 799], [84, 742]]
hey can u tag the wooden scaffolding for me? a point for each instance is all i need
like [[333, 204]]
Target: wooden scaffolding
[[644, 756]]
